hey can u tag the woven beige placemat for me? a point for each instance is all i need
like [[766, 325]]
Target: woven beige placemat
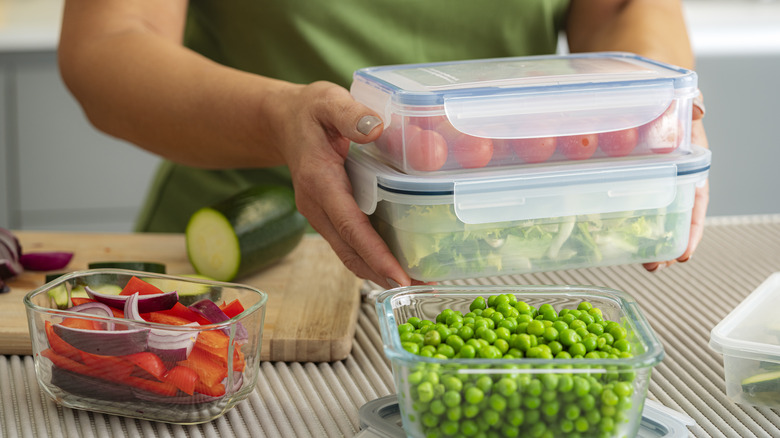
[[683, 303]]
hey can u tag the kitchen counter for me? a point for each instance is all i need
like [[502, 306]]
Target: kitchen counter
[[29, 25], [683, 303]]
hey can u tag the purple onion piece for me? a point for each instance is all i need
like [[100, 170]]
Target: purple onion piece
[[211, 311], [45, 261], [10, 244], [104, 342], [96, 308], [9, 268], [169, 345], [146, 303]]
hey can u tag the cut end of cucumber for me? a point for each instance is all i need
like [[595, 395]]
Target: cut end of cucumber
[[212, 245]]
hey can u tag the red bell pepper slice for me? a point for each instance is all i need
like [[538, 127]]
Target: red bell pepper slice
[[210, 371], [59, 346], [162, 388], [183, 378], [149, 362], [233, 308], [107, 367], [81, 323], [179, 310], [135, 284], [164, 318], [216, 390]]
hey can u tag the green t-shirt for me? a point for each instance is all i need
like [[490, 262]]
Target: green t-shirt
[[303, 41]]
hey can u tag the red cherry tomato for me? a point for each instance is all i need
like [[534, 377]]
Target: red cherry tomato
[[619, 143], [664, 134], [502, 152], [426, 150], [429, 122], [469, 152], [472, 152], [578, 147], [534, 150]]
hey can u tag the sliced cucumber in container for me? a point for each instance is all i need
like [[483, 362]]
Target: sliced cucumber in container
[[244, 233], [763, 382]]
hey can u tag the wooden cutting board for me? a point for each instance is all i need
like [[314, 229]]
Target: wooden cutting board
[[313, 300]]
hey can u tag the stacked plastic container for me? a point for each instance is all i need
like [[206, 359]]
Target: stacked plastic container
[[517, 165]]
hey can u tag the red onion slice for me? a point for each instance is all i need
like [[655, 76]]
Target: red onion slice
[[105, 342], [170, 345], [45, 261], [96, 308], [9, 244], [209, 310], [146, 303]]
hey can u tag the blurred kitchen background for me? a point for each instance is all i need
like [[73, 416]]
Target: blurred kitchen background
[[58, 173]]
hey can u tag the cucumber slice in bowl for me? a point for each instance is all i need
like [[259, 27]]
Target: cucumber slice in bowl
[[244, 233], [761, 383]]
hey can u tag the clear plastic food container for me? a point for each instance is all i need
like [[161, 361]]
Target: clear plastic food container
[[186, 355], [526, 110], [749, 340], [527, 394], [546, 217]]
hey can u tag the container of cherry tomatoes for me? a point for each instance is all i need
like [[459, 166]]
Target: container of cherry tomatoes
[[519, 111]]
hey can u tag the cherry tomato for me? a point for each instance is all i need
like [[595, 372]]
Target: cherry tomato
[[534, 150], [429, 122], [619, 143], [469, 152], [472, 152], [502, 152], [426, 150], [391, 143], [578, 147], [664, 134]]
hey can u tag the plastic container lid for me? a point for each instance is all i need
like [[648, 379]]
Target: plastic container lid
[[549, 190], [517, 97], [381, 418], [750, 330]]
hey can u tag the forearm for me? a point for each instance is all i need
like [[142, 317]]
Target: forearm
[[652, 28], [147, 89]]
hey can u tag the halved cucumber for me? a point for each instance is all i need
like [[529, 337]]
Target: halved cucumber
[[244, 233], [188, 292], [764, 382]]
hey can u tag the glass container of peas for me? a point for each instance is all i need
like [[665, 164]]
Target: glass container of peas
[[518, 361]]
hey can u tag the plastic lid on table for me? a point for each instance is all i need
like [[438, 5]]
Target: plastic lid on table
[[381, 418]]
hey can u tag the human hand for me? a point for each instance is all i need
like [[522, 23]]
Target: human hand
[[702, 196], [318, 122]]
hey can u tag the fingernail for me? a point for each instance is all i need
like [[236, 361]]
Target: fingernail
[[366, 124], [685, 259], [698, 104], [392, 282], [657, 268]]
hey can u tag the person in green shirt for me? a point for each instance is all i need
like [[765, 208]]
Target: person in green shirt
[[239, 92]]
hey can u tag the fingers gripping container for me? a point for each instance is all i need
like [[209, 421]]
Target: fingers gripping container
[[546, 217], [525, 110]]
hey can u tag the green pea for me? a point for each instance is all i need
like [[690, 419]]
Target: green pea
[[532, 402], [432, 337], [428, 349], [467, 352], [572, 412], [568, 337], [581, 386], [466, 332], [550, 334], [523, 307], [563, 355], [534, 387], [584, 305], [609, 398], [425, 392], [618, 332], [590, 343], [623, 389], [455, 341], [506, 386], [474, 395], [509, 324], [429, 419], [578, 349], [535, 327], [565, 383], [497, 402], [550, 381], [469, 428], [414, 321], [551, 408], [471, 410], [417, 338], [515, 417], [454, 413], [449, 428], [587, 402], [555, 347], [581, 424], [478, 303], [502, 345], [446, 350], [437, 407], [490, 352], [451, 398], [622, 345]]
